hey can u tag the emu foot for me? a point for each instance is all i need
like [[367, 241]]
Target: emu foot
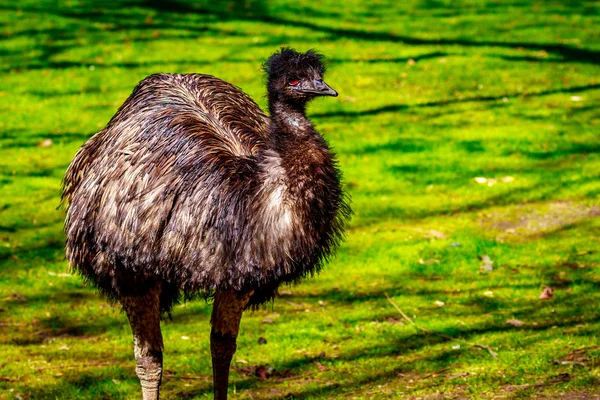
[[149, 370], [143, 313]]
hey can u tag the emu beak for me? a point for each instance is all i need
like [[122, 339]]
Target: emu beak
[[318, 87]]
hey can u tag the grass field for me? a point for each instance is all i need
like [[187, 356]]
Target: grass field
[[469, 136]]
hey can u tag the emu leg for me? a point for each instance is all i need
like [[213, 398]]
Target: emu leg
[[144, 317], [225, 320]]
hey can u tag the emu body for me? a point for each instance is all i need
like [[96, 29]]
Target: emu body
[[191, 188]]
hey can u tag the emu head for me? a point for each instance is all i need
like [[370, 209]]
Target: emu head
[[296, 77]]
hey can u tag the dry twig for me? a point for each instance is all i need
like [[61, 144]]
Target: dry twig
[[481, 346]]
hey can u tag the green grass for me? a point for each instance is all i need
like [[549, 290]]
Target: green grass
[[432, 95]]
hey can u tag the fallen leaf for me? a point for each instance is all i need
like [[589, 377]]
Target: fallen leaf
[[576, 98], [440, 303], [488, 264], [185, 337], [45, 143], [427, 262], [515, 322], [263, 372], [241, 361], [577, 357], [547, 293], [321, 367], [488, 293]]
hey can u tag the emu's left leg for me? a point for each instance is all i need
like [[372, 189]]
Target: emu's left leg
[[144, 317], [225, 320]]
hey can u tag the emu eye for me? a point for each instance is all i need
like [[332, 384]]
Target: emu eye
[[294, 82]]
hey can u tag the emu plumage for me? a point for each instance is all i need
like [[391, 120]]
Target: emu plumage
[[191, 188]]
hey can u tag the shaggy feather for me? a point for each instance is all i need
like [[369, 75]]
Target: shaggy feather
[[191, 185]]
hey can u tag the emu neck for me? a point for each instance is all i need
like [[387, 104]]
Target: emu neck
[[288, 120], [304, 155]]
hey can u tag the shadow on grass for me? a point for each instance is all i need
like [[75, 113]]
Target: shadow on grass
[[397, 60], [86, 384], [543, 190], [569, 312], [569, 53], [48, 327], [193, 19], [391, 366], [402, 107], [30, 141]]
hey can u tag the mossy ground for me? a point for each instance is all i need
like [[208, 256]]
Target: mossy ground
[[433, 94]]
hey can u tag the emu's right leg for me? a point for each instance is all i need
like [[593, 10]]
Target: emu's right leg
[[226, 316], [144, 317]]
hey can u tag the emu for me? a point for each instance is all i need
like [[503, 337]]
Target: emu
[[191, 188]]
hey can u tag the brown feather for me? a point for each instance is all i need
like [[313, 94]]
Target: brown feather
[[192, 185]]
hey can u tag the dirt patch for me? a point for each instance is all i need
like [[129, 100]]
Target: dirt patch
[[571, 396], [537, 219]]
